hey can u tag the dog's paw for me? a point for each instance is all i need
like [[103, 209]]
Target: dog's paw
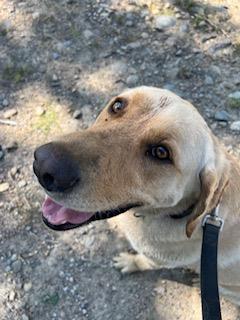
[[125, 262]]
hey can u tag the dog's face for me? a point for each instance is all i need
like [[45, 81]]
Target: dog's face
[[145, 151]]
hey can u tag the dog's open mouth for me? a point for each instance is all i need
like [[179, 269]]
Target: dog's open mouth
[[57, 217]]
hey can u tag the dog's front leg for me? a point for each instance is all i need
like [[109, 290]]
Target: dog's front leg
[[128, 262]]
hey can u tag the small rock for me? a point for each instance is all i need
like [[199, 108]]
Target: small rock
[[17, 266], [22, 183], [10, 113], [27, 286], [222, 116], [208, 80], [54, 77], [171, 73], [184, 27], [134, 45], [13, 171], [222, 124], [5, 103], [36, 15], [132, 80], [12, 146], [12, 295], [235, 126], [164, 22], [55, 55], [144, 35], [4, 187], [14, 257], [24, 317], [88, 34], [77, 114], [234, 99], [40, 111], [215, 71]]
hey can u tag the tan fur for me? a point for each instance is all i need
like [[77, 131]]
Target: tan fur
[[115, 171]]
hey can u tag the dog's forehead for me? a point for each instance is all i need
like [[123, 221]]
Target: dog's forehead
[[160, 103], [148, 98]]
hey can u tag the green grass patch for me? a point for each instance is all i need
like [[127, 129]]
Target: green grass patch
[[186, 5], [51, 299], [48, 120], [16, 73]]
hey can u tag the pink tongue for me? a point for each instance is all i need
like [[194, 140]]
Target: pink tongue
[[57, 214]]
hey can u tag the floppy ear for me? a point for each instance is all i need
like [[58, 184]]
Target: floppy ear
[[214, 178]]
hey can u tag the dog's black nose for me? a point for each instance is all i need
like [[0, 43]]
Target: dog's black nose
[[54, 168]]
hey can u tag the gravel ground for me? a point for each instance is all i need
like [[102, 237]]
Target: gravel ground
[[60, 62]]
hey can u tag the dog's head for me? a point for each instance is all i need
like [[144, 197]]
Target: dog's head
[[149, 150]]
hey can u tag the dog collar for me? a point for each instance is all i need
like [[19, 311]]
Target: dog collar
[[183, 214]]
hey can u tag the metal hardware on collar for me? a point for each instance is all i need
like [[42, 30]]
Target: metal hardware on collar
[[214, 219]]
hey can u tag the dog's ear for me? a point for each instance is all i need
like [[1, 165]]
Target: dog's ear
[[213, 178]]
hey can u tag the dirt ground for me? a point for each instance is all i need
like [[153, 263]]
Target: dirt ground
[[60, 62]]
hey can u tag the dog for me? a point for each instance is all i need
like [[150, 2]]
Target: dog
[[152, 164]]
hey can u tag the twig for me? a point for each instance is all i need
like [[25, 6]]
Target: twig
[[8, 122]]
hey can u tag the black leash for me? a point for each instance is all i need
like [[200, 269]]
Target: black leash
[[212, 225]]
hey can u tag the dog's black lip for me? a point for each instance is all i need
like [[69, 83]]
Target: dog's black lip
[[99, 215]]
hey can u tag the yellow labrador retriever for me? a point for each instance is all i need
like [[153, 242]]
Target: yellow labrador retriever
[[150, 160]]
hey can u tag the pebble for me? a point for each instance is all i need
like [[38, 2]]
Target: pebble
[[184, 27], [12, 295], [222, 116], [36, 15], [132, 80], [208, 80], [164, 22], [17, 266], [77, 114], [27, 286], [22, 183], [13, 171], [56, 55], [144, 35], [235, 126], [4, 187], [5, 103], [14, 257], [88, 34], [10, 113], [134, 45], [234, 99], [54, 77], [24, 317], [40, 111]]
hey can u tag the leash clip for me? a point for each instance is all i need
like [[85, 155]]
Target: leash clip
[[214, 219]]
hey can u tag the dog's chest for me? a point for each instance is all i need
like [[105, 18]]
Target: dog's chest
[[162, 240]]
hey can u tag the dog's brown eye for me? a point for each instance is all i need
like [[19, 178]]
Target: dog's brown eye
[[117, 106], [160, 152]]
